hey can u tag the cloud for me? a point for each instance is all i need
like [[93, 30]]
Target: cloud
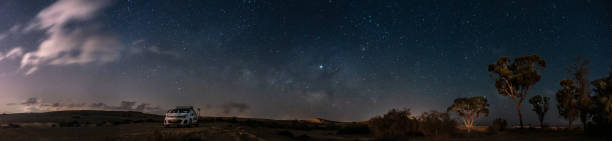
[[75, 45], [13, 30], [12, 54], [3, 36], [72, 37], [159, 51], [31, 101], [36, 105], [233, 107], [142, 46]]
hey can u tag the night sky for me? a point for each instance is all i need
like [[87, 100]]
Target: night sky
[[343, 60]]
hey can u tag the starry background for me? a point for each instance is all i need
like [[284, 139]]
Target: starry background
[[287, 59]]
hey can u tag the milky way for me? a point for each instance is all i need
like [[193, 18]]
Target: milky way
[[287, 59]]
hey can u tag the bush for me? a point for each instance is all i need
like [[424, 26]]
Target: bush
[[303, 137], [150, 120], [286, 133], [73, 123], [435, 123], [498, 125], [398, 124], [12, 125], [354, 129], [599, 129], [233, 120], [394, 124]]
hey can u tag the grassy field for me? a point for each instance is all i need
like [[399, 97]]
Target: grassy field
[[102, 126]]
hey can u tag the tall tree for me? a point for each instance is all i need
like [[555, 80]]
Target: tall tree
[[540, 106], [603, 100], [580, 71], [566, 101], [469, 109], [514, 78]]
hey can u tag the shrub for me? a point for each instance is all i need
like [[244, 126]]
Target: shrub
[[150, 120], [599, 129], [498, 124], [398, 124], [12, 125], [286, 133], [303, 137], [73, 123], [354, 129], [435, 123], [233, 120], [394, 124]]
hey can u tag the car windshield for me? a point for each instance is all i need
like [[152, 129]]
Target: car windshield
[[179, 111]]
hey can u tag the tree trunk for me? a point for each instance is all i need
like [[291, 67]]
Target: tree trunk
[[570, 124], [518, 108], [541, 118], [583, 118], [467, 125], [469, 129]]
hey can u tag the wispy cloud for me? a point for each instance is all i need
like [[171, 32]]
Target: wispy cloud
[[75, 45], [234, 107], [37, 105], [12, 54], [13, 30], [142, 46]]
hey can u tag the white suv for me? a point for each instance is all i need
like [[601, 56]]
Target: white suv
[[181, 116]]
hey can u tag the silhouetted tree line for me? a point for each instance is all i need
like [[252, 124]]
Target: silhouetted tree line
[[399, 123], [513, 78], [576, 101]]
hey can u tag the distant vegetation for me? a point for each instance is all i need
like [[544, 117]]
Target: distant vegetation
[[498, 125], [540, 106], [399, 123]]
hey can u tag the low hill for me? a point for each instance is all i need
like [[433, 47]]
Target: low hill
[[321, 121], [82, 116]]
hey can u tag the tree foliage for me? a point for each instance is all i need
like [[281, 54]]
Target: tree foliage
[[514, 78], [395, 123], [566, 101], [540, 106], [469, 109], [583, 93], [602, 108], [436, 123], [398, 124]]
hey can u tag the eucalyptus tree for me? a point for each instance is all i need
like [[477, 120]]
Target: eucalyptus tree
[[566, 101], [540, 106], [580, 72], [514, 78], [469, 109], [602, 101]]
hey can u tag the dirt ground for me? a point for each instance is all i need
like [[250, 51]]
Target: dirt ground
[[135, 126], [233, 131]]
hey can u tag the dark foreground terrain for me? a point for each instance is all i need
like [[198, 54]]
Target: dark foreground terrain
[[103, 125]]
